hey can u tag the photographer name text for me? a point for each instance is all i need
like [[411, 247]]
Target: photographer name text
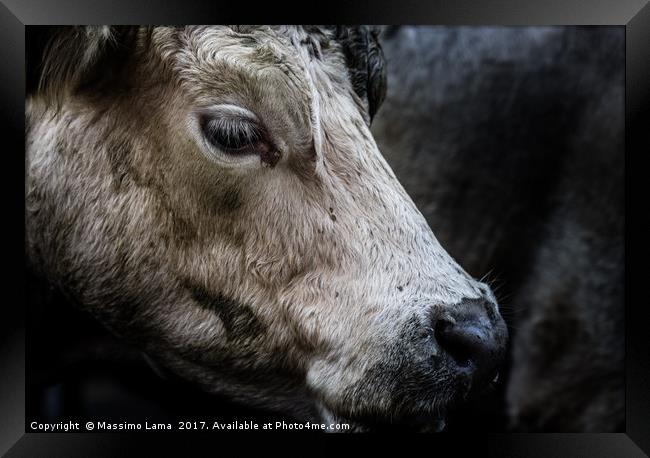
[[185, 426]]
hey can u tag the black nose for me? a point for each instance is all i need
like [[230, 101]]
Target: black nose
[[474, 338]]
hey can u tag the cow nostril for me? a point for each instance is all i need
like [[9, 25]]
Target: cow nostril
[[471, 342], [459, 343], [466, 343]]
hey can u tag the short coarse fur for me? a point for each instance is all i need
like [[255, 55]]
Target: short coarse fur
[[287, 283]]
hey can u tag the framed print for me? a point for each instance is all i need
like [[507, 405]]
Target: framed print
[[415, 220]]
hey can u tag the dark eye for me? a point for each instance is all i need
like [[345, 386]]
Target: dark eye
[[233, 134]]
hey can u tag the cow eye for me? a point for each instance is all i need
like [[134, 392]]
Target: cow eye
[[234, 135]]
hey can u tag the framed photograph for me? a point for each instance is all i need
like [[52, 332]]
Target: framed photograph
[[412, 221]]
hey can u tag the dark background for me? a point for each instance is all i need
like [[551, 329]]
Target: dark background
[[510, 141]]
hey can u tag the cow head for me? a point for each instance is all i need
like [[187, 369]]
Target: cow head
[[215, 196]]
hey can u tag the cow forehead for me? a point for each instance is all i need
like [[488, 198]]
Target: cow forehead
[[311, 38], [289, 76], [286, 47]]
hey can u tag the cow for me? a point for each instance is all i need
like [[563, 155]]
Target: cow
[[214, 196], [511, 142]]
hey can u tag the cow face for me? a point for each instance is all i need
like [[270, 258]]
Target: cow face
[[214, 195]]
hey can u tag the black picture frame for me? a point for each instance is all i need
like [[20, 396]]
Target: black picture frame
[[634, 15]]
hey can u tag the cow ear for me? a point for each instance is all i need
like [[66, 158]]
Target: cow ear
[[63, 60], [366, 64]]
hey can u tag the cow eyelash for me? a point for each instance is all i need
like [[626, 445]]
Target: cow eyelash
[[233, 135]]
